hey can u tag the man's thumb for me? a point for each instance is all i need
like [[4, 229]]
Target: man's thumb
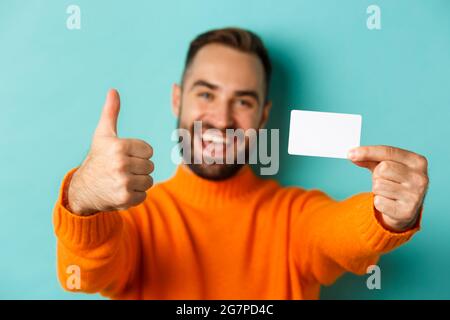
[[367, 164], [107, 126]]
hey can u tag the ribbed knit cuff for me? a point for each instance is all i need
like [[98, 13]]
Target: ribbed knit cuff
[[379, 238], [83, 231]]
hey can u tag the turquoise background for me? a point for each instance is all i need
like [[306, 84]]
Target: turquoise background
[[53, 83]]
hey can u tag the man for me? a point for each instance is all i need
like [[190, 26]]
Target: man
[[218, 231]]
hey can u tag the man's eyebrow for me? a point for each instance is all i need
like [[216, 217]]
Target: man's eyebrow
[[204, 84], [251, 93]]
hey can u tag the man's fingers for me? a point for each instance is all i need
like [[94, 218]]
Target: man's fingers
[[107, 125], [389, 189], [393, 190], [391, 170], [386, 206], [140, 183], [139, 149], [399, 210], [383, 153], [135, 198], [140, 166]]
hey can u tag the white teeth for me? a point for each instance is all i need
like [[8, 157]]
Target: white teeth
[[213, 138]]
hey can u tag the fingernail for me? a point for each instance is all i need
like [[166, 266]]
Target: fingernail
[[351, 154]]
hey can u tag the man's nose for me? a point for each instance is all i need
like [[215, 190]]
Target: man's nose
[[222, 115]]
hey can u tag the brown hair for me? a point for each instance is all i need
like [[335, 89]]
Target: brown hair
[[240, 39]]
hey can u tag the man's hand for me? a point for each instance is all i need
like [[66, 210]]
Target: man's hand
[[115, 173], [400, 181]]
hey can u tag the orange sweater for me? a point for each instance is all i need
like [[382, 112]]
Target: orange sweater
[[242, 238]]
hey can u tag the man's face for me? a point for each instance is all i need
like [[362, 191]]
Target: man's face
[[224, 89]]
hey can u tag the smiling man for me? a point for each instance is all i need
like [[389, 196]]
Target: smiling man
[[217, 230]]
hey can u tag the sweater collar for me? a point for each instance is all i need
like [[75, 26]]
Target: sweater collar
[[199, 191]]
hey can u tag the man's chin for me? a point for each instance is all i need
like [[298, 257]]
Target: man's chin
[[215, 171]]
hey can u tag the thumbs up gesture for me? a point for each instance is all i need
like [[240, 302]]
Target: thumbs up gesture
[[115, 173]]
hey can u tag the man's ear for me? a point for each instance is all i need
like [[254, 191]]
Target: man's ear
[[176, 99], [265, 114]]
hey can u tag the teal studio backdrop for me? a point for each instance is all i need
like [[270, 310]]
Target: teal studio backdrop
[[53, 82]]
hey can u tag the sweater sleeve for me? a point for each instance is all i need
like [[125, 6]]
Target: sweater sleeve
[[96, 253], [331, 237]]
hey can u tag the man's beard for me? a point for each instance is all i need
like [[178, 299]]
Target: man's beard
[[215, 171]]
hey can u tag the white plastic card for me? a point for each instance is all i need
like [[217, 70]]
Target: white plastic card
[[323, 134]]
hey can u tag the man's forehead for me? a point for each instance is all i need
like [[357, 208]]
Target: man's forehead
[[226, 66]]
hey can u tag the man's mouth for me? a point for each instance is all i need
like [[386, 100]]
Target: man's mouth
[[214, 145]]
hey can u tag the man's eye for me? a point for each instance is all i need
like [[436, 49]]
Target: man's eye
[[244, 103], [205, 95]]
